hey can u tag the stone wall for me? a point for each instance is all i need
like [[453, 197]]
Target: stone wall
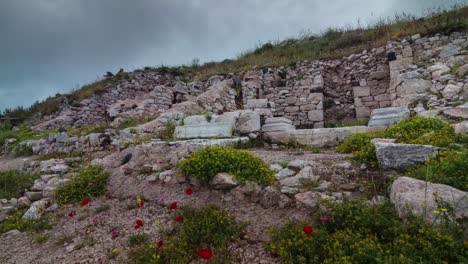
[[312, 94]]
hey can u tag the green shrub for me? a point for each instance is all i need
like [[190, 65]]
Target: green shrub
[[451, 167], [15, 221], [167, 133], [360, 145], [417, 130], [204, 228], [14, 183], [137, 239], [90, 182], [413, 131], [359, 233], [243, 165]]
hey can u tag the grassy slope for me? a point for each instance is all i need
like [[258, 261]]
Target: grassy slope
[[333, 43]]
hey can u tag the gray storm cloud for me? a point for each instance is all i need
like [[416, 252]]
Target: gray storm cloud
[[52, 46]]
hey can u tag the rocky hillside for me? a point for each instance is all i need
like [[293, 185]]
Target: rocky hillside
[[355, 159]]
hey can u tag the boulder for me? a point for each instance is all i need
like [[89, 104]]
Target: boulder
[[410, 195], [35, 211], [450, 91], [296, 165], [398, 156], [310, 200], [223, 181], [305, 175], [33, 196], [388, 116], [284, 173], [248, 122], [271, 197], [461, 128], [457, 112]]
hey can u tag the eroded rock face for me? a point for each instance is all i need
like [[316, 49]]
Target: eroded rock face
[[398, 156], [410, 195]]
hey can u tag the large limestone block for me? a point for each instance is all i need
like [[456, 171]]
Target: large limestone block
[[388, 116], [410, 195], [195, 120], [320, 137], [278, 120], [257, 103], [210, 130], [398, 156], [248, 122]]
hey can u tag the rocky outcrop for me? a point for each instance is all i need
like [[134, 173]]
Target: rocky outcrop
[[412, 196]]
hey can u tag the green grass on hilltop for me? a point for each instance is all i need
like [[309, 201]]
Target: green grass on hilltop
[[333, 43]]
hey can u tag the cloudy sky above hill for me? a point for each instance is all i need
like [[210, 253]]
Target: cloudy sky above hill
[[51, 46]]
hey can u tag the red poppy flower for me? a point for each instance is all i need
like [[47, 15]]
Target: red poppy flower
[[160, 244], [140, 203], [71, 215], [137, 227], [205, 254], [173, 205], [324, 219], [178, 219], [139, 222], [308, 230], [189, 191], [85, 202]]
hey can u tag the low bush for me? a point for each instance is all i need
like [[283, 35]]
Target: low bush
[[90, 182], [14, 183], [22, 134], [205, 163], [360, 145], [359, 233], [451, 167], [417, 130], [208, 228], [15, 221], [421, 130]]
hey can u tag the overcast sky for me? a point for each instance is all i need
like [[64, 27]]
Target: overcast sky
[[51, 46]]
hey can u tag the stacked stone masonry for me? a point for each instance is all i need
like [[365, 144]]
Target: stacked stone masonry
[[312, 94]]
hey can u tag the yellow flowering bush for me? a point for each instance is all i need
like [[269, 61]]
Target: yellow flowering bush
[[243, 165], [359, 233]]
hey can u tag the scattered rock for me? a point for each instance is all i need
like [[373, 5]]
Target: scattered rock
[[415, 196], [308, 199], [223, 181], [284, 173], [296, 165], [398, 156], [35, 211]]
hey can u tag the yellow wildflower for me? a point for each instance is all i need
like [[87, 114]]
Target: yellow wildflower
[[443, 209], [436, 212]]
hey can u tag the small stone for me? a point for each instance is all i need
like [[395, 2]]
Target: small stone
[[33, 196], [296, 165], [223, 181], [284, 173], [308, 199], [275, 167], [348, 187]]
